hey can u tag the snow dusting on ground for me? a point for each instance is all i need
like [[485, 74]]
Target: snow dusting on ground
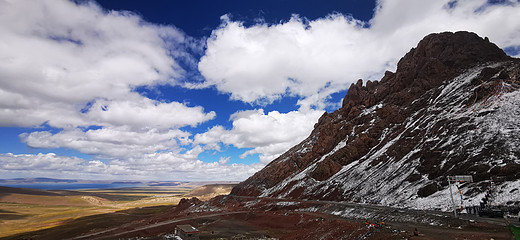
[[495, 116]]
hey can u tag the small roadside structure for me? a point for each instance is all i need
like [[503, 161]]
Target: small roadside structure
[[187, 232]]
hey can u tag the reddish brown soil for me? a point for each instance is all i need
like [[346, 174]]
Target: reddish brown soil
[[265, 220], [286, 222], [475, 231], [287, 225], [278, 224]]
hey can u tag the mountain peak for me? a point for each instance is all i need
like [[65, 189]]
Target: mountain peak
[[447, 51], [450, 108], [437, 57], [458, 49]]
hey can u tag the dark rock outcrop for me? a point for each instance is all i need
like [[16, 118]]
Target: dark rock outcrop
[[186, 203]]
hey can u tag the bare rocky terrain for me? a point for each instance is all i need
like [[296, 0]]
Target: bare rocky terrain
[[451, 108]]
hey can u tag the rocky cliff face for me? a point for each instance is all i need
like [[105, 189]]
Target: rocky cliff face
[[451, 108]]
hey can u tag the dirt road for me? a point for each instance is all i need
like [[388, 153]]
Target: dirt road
[[112, 232]]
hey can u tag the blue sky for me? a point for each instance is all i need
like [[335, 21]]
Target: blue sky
[[197, 90]]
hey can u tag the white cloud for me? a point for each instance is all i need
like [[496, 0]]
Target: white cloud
[[312, 59], [224, 160], [143, 113], [109, 142], [268, 134], [263, 63], [156, 166], [73, 66], [47, 162], [58, 56]]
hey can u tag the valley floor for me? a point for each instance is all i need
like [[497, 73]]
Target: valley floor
[[25, 210], [228, 217]]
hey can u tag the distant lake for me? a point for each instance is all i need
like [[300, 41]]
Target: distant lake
[[72, 186]]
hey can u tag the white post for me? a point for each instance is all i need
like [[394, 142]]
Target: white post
[[452, 201]]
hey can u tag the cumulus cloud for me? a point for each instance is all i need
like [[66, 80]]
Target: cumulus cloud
[[262, 63], [140, 113], [47, 162], [59, 56], [156, 166], [119, 142], [313, 59], [74, 66], [269, 135]]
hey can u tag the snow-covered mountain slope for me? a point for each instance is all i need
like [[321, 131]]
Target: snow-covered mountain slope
[[451, 108]]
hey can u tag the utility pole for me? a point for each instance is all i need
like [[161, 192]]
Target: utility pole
[[451, 195], [460, 178]]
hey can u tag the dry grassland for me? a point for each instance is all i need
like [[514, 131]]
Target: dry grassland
[[30, 210]]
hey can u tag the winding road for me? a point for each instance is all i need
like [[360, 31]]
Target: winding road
[[108, 232]]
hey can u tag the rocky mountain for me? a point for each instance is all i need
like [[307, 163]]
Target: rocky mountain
[[451, 108]]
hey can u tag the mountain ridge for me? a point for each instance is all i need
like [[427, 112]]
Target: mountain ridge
[[394, 135]]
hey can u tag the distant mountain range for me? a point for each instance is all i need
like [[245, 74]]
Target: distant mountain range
[[36, 180], [78, 181], [451, 108], [64, 181]]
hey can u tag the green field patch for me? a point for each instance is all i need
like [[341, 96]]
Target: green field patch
[[516, 232]]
